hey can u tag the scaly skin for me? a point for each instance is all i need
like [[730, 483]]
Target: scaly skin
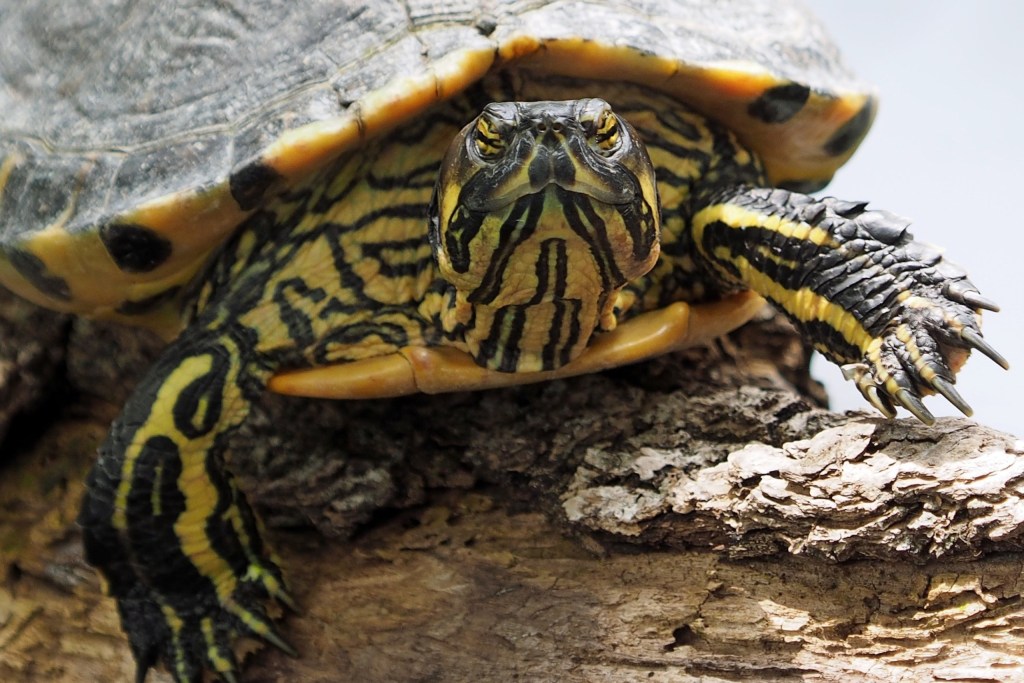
[[341, 268]]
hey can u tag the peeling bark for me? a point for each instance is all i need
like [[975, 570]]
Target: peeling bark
[[692, 518]]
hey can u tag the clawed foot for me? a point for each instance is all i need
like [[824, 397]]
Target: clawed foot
[[195, 633], [923, 347]]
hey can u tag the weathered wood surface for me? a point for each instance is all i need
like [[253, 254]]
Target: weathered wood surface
[[695, 518]]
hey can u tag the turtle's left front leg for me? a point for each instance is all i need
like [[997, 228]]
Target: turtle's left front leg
[[163, 520], [899, 318]]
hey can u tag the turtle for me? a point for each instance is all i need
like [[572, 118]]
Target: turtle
[[360, 200]]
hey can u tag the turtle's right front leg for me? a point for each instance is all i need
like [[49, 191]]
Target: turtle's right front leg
[[163, 521]]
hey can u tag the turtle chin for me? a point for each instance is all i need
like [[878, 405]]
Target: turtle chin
[[537, 336]]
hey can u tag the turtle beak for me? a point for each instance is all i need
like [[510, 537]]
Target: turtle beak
[[552, 158]]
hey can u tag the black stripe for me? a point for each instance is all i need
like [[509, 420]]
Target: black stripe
[[573, 337], [553, 344], [197, 408], [35, 271], [513, 232], [389, 257], [596, 237], [392, 334], [511, 350], [839, 350], [847, 280], [300, 327]]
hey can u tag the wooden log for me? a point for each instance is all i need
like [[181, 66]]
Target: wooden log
[[692, 518]]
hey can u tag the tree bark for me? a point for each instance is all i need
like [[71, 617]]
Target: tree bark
[[693, 518]]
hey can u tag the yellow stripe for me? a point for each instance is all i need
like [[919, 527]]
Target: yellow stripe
[[767, 253], [6, 168], [924, 370], [200, 494], [739, 217], [213, 652], [159, 423], [804, 304], [175, 624]]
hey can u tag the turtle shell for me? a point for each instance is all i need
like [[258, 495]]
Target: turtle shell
[[137, 135]]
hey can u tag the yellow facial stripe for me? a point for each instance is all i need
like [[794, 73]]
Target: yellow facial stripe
[[488, 138]]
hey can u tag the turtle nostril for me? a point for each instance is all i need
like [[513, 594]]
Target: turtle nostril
[[556, 126]]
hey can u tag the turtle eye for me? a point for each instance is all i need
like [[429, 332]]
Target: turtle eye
[[488, 138], [605, 137]]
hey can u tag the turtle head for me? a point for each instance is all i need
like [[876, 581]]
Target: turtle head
[[542, 212]]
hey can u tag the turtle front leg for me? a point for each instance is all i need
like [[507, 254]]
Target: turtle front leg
[[163, 521], [899, 318]]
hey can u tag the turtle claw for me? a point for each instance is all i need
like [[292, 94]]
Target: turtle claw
[[975, 300], [962, 291], [277, 640], [860, 375], [946, 389], [975, 341], [919, 353], [194, 634], [913, 404]]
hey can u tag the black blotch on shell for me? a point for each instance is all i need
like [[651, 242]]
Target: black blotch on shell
[[779, 104], [141, 306], [250, 182], [851, 133], [32, 268], [134, 248]]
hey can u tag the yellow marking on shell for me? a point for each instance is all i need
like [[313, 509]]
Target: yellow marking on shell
[[794, 150], [315, 144]]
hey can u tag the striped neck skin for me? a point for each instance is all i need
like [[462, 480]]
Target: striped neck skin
[[550, 285], [543, 212]]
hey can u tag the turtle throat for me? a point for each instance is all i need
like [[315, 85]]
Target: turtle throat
[[545, 279]]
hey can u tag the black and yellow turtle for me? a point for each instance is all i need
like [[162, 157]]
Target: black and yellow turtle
[[351, 199]]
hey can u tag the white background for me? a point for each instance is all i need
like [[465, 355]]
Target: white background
[[947, 150]]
